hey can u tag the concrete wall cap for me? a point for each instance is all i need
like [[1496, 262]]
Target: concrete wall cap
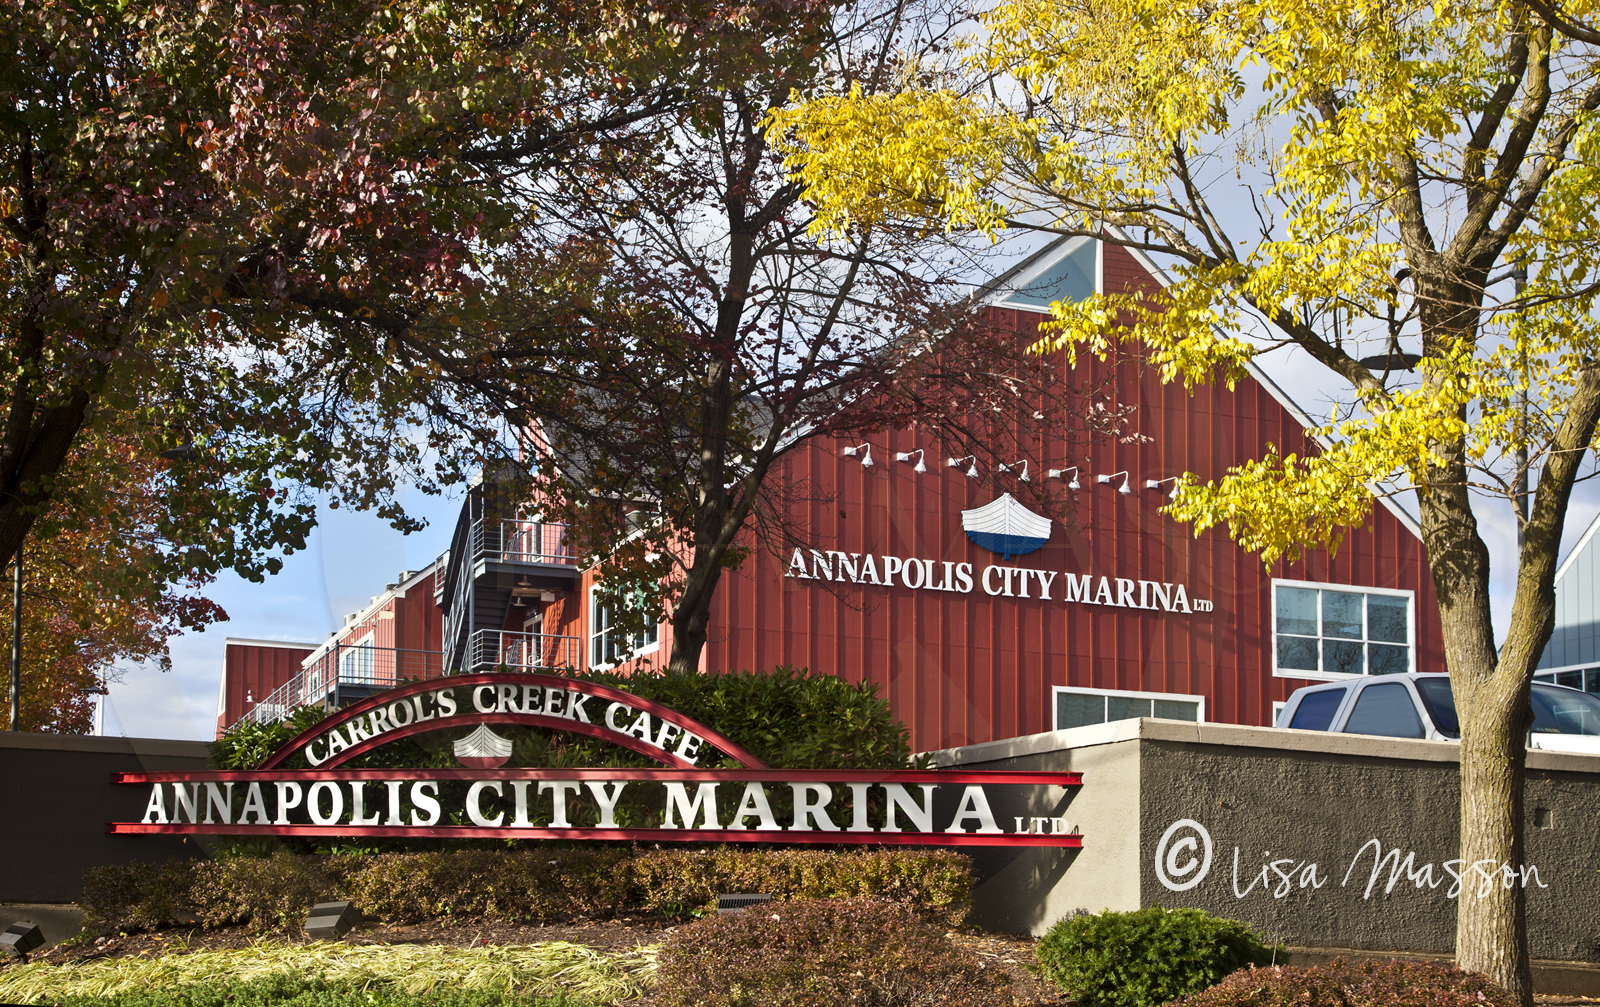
[[92, 743], [1240, 736]]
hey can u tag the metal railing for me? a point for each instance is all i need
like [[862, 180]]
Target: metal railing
[[491, 648], [522, 542], [345, 666]]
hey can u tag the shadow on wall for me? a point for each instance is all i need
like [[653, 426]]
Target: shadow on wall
[[1025, 869]]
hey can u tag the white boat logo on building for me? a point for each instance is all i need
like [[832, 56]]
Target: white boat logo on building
[[1006, 527]]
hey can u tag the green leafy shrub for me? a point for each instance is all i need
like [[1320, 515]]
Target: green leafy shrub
[[137, 896], [1146, 957], [246, 744], [543, 886], [272, 893], [822, 953], [1345, 983]]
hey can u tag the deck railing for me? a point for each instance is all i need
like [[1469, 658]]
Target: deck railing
[[522, 651], [360, 667], [522, 542], [362, 670]]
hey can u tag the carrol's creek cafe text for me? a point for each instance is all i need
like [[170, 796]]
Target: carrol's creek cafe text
[[978, 617]]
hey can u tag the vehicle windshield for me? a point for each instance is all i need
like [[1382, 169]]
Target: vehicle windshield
[[1564, 711], [1441, 705]]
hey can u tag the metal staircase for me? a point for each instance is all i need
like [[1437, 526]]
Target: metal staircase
[[494, 559]]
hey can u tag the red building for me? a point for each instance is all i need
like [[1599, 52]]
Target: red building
[[1116, 611], [395, 638]]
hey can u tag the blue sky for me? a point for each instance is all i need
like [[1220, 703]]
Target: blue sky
[[349, 559]]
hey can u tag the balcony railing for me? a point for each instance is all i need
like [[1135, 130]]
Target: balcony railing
[[522, 542], [489, 649], [359, 668]]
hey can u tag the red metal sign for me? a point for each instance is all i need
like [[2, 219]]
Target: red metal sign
[[561, 704], [485, 799]]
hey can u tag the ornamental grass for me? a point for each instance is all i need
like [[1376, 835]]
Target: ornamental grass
[[556, 968]]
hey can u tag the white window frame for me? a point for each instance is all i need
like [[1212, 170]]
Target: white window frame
[[347, 653], [650, 646], [1056, 691], [1277, 710], [1339, 676], [1040, 268], [1585, 667]]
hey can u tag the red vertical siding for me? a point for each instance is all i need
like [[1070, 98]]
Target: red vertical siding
[[251, 669], [967, 668]]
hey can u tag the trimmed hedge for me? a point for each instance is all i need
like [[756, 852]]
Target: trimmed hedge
[[544, 886], [786, 717], [841, 953], [1345, 983], [1145, 957]]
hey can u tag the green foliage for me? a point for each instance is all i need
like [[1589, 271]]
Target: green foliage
[[286, 991], [1368, 983], [326, 971], [543, 886], [136, 896], [1146, 957], [271, 893], [822, 954], [247, 744], [787, 718]]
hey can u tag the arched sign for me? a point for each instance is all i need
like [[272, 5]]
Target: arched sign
[[509, 698], [485, 798]]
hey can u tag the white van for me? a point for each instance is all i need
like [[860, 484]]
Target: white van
[[1416, 705]]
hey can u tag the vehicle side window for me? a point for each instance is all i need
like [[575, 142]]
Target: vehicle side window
[[1385, 710], [1562, 711], [1316, 710], [1440, 703]]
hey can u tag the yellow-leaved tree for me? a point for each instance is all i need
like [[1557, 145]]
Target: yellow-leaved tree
[[1405, 190]]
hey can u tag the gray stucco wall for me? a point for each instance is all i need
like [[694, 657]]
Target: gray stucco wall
[[57, 796], [1306, 808], [1027, 889]]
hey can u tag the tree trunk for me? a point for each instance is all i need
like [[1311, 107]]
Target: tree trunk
[[1491, 930], [1491, 918], [1491, 689]]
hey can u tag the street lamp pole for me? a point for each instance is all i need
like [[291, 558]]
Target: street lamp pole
[[16, 641]]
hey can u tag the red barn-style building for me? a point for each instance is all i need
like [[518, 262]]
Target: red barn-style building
[[998, 623]]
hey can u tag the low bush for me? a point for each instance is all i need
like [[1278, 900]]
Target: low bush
[[1345, 983], [515, 886], [552, 969], [823, 953], [1146, 957]]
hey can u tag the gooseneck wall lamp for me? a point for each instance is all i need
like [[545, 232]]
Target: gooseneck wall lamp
[[1058, 473], [1023, 477], [1121, 489], [905, 456], [863, 449], [955, 463], [1155, 484]]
